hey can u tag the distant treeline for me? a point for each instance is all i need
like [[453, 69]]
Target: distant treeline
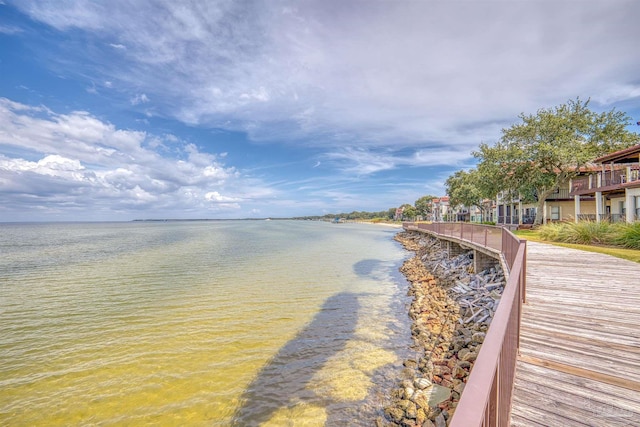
[[355, 215]]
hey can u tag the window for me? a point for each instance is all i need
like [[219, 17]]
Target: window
[[555, 213]]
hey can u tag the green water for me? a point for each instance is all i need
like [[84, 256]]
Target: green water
[[199, 323]]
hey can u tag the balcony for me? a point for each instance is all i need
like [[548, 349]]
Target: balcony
[[605, 181]]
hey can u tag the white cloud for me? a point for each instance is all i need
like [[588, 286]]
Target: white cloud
[[139, 99], [98, 169], [10, 29], [366, 161], [117, 46], [407, 73]]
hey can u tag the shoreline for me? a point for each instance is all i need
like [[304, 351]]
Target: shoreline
[[451, 310]]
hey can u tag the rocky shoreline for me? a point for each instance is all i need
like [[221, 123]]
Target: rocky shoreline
[[451, 311]]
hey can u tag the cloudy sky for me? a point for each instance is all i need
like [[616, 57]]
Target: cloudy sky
[[118, 110]]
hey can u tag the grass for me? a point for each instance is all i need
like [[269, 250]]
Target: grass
[[615, 235]]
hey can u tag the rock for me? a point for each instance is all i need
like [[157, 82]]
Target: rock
[[410, 363], [421, 383], [393, 413], [451, 311], [458, 372], [404, 404], [469, 356], [409, 392], [436, 394], [463, 353], [411, 411], [478, 337]]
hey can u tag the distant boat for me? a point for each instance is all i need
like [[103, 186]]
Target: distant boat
[[268, 219]]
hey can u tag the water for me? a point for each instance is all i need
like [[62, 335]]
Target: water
[[244, 323]]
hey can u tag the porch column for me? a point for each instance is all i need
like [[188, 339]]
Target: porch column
[[519, 212], [630, 204], [599, 205], [576, 203], [544, 213]]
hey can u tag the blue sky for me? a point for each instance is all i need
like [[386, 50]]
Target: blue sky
[[118, 110]]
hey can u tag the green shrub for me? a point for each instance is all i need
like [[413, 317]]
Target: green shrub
[[590, 232], [550, 232], [584, 232], [627, 235]]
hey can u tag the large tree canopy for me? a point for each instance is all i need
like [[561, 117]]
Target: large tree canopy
[[469, 188], [423, 205], [548, 148], [409, 212]]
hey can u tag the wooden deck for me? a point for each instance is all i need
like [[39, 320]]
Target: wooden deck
[[580, 344]]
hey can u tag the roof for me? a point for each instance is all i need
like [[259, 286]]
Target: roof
[[630, 154]]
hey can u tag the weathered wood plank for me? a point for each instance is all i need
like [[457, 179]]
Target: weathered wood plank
[[600, 392], [580, 341], [631, 352], [579, 312], [574, 398], [584, 373]]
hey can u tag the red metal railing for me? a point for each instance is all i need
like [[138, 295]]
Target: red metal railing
[[486, 400]]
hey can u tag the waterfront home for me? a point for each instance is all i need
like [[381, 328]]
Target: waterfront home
[[441, 210], [558, 206], [614, 185]]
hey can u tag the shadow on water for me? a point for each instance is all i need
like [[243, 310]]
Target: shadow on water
[[366, 267], [287, 379], [282, 383]]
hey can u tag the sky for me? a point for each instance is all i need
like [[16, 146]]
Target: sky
[[122, 110]]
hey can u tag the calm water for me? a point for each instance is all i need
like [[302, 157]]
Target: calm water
[[241, 323]]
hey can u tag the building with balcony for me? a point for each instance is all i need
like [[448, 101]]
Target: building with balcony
[[440, 210], [614, 185], [558, 206]]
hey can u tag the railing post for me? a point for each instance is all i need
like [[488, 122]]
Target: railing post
[[524, 272]]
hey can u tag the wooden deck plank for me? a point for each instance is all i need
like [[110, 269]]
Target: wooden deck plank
[[581, 387], [621, 318], [600, 325], [580, 341], [575, 399], [632, 352]]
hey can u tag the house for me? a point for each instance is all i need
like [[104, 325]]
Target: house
[[440, 210], [558, 206], [614, 185], [398, 214]]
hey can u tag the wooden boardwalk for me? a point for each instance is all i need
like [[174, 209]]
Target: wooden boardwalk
[[579, 361]]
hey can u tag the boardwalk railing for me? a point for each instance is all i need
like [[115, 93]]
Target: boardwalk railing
[[486, 400]]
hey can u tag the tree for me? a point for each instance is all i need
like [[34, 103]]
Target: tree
[[409, 212], [469, 189], [548, 148], [423, 205]]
